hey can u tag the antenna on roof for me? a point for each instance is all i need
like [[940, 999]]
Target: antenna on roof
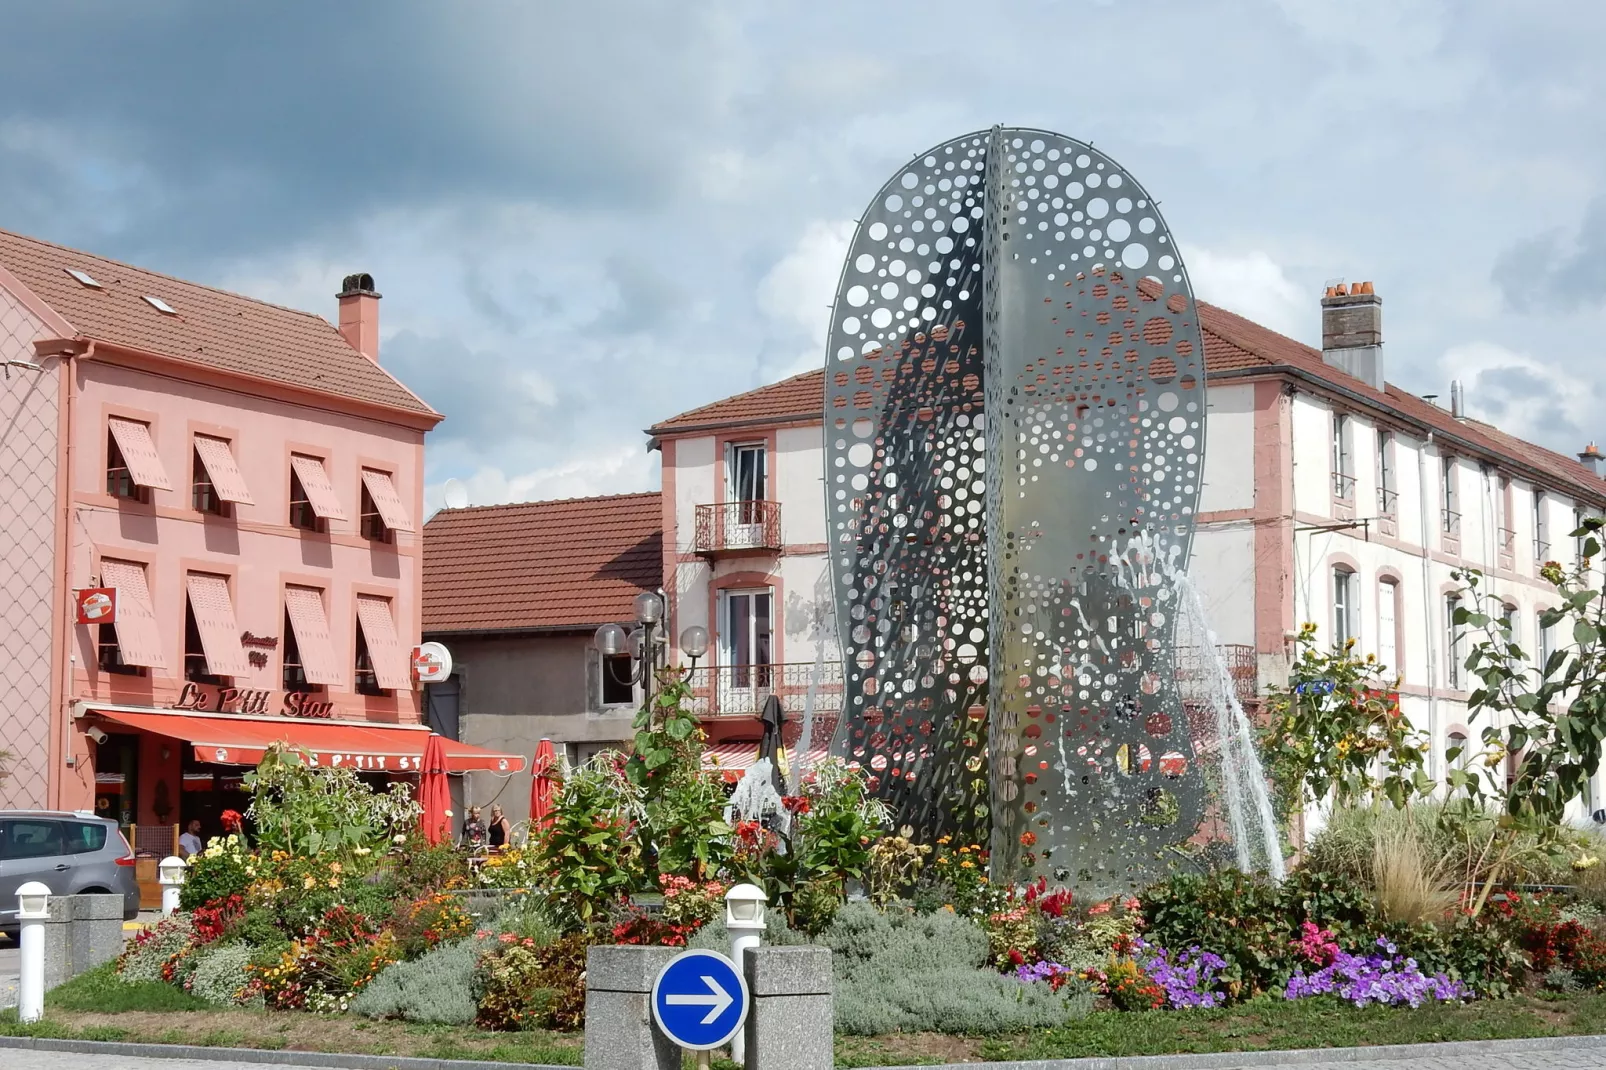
[[455, 494]]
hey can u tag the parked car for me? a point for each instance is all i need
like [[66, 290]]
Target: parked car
[[69, 852]]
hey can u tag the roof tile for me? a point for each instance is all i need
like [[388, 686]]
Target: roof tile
[[570, 564], [213, 328], [1232, 344]]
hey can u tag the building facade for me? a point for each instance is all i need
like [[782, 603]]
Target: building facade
[[208, 508], [1328, 495], [517, 593]]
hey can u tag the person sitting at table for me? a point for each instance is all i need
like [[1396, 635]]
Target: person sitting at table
[[474, 830], [189, 843]]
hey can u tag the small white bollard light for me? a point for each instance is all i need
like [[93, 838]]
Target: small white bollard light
[[170, 875], [33, 906], [744, 920]]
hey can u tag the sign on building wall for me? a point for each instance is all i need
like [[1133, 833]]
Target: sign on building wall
[[96, 605]]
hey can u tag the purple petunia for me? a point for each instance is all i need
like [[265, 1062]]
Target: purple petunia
[[1375, 978], [1188, 978]]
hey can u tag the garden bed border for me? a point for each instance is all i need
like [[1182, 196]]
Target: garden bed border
[[1226, 1060]]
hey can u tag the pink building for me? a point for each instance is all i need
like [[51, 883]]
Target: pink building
[[249, 481]]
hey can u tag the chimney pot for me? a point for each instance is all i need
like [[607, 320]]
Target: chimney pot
[[1591, 457], [1352, 331], [359, 314]]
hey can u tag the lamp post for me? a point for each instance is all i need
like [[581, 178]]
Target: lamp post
[[170, 875], [744, 920], [648, 644], [33, 907]]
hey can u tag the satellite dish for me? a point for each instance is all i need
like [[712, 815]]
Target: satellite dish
[[455, 494]]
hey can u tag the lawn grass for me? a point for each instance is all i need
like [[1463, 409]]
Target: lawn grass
[[98, 1006], [1264, 1024]]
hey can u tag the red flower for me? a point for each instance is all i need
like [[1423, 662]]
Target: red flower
[[1016, 958]]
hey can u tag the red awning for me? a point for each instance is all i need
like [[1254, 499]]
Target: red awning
[[240, 740], [732, 759]]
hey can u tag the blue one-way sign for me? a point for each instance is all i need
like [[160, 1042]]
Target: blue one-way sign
[[699, 999]]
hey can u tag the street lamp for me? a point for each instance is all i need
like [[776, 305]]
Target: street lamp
[[647, 644]]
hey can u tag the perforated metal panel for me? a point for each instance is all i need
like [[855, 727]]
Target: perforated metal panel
[[1014, 436]]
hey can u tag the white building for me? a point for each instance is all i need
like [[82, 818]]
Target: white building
[[1329, 496]]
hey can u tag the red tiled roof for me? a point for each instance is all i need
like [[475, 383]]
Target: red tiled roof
[[214, 329], [571, 564], [1233, 346]]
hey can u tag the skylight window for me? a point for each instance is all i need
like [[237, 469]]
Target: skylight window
[[84, 277], [161, 306]]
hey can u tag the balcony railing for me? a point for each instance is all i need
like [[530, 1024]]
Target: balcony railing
[[740, 690], [1343, 486], [1194, 672], [1450, 523], [735, 527], [1388, 501]]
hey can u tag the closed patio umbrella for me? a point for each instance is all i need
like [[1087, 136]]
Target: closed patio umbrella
[[434, 793], [543, 785], [773, 718]]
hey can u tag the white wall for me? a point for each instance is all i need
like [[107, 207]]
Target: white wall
[[799, 484], [1229, 469]]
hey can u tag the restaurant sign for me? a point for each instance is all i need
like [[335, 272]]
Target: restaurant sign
[[95, 605], [206, 698]]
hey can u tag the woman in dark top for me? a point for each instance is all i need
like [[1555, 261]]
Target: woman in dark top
[[500, 830]]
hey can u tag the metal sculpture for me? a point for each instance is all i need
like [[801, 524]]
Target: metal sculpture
[[1014, 410]]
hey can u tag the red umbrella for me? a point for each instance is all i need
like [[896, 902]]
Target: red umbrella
[[544, 785], [434, 794]]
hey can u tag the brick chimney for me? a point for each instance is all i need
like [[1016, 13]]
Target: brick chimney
[[1590, 456], [359, 314], [1352, 331]]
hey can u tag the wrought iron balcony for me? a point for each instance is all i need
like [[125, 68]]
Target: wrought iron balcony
[[1195, 674], [737, 527], [740, 690]]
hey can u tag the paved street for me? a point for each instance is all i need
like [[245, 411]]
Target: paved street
[[1537, 1059], [8, 972]]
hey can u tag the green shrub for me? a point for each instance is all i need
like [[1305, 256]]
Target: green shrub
[[221, 974], [435, 987], [907, 972], [219, 871], [1448, 835], [152, 949]]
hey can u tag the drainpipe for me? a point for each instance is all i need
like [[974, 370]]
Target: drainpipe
[[84, 349], [1427, 607]]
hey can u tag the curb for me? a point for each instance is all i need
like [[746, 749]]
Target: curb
[[1211, 1061], [1232, 1060], [266, 1057]]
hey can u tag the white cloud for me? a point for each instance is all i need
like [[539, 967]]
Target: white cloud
[[1255, 286], [584, 475], [1523, 395], [796, 293]]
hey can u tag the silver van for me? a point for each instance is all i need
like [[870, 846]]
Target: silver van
[[69, 852]]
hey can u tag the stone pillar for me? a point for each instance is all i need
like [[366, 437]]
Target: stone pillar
[[97, 930], [620, 1031], [58, 941], [791, 1022]]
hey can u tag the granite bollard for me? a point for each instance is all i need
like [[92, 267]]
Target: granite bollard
[[620, 1031], [790, 1023]]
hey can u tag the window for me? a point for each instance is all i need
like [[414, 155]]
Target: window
[[1541, 531], [295, 675], [618, 689], [30, 838], [745, 638], [1343, 606], [120, 482], [196, 668], [205, 497], [1457, 742], [1452, 643], [1387, 493], [1505, 535], [372, 522], [749, 479], [84, 838], [1449, 498], [367, 679], [1343, 470], [109, 653], [1388, 613], [302, 514]]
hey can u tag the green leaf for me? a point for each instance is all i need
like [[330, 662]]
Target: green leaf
[[1584, 633], [680, 729]]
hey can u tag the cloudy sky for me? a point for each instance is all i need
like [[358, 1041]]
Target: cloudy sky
[[588, 217]]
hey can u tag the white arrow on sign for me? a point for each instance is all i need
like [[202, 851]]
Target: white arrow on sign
[[716, 1001]]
